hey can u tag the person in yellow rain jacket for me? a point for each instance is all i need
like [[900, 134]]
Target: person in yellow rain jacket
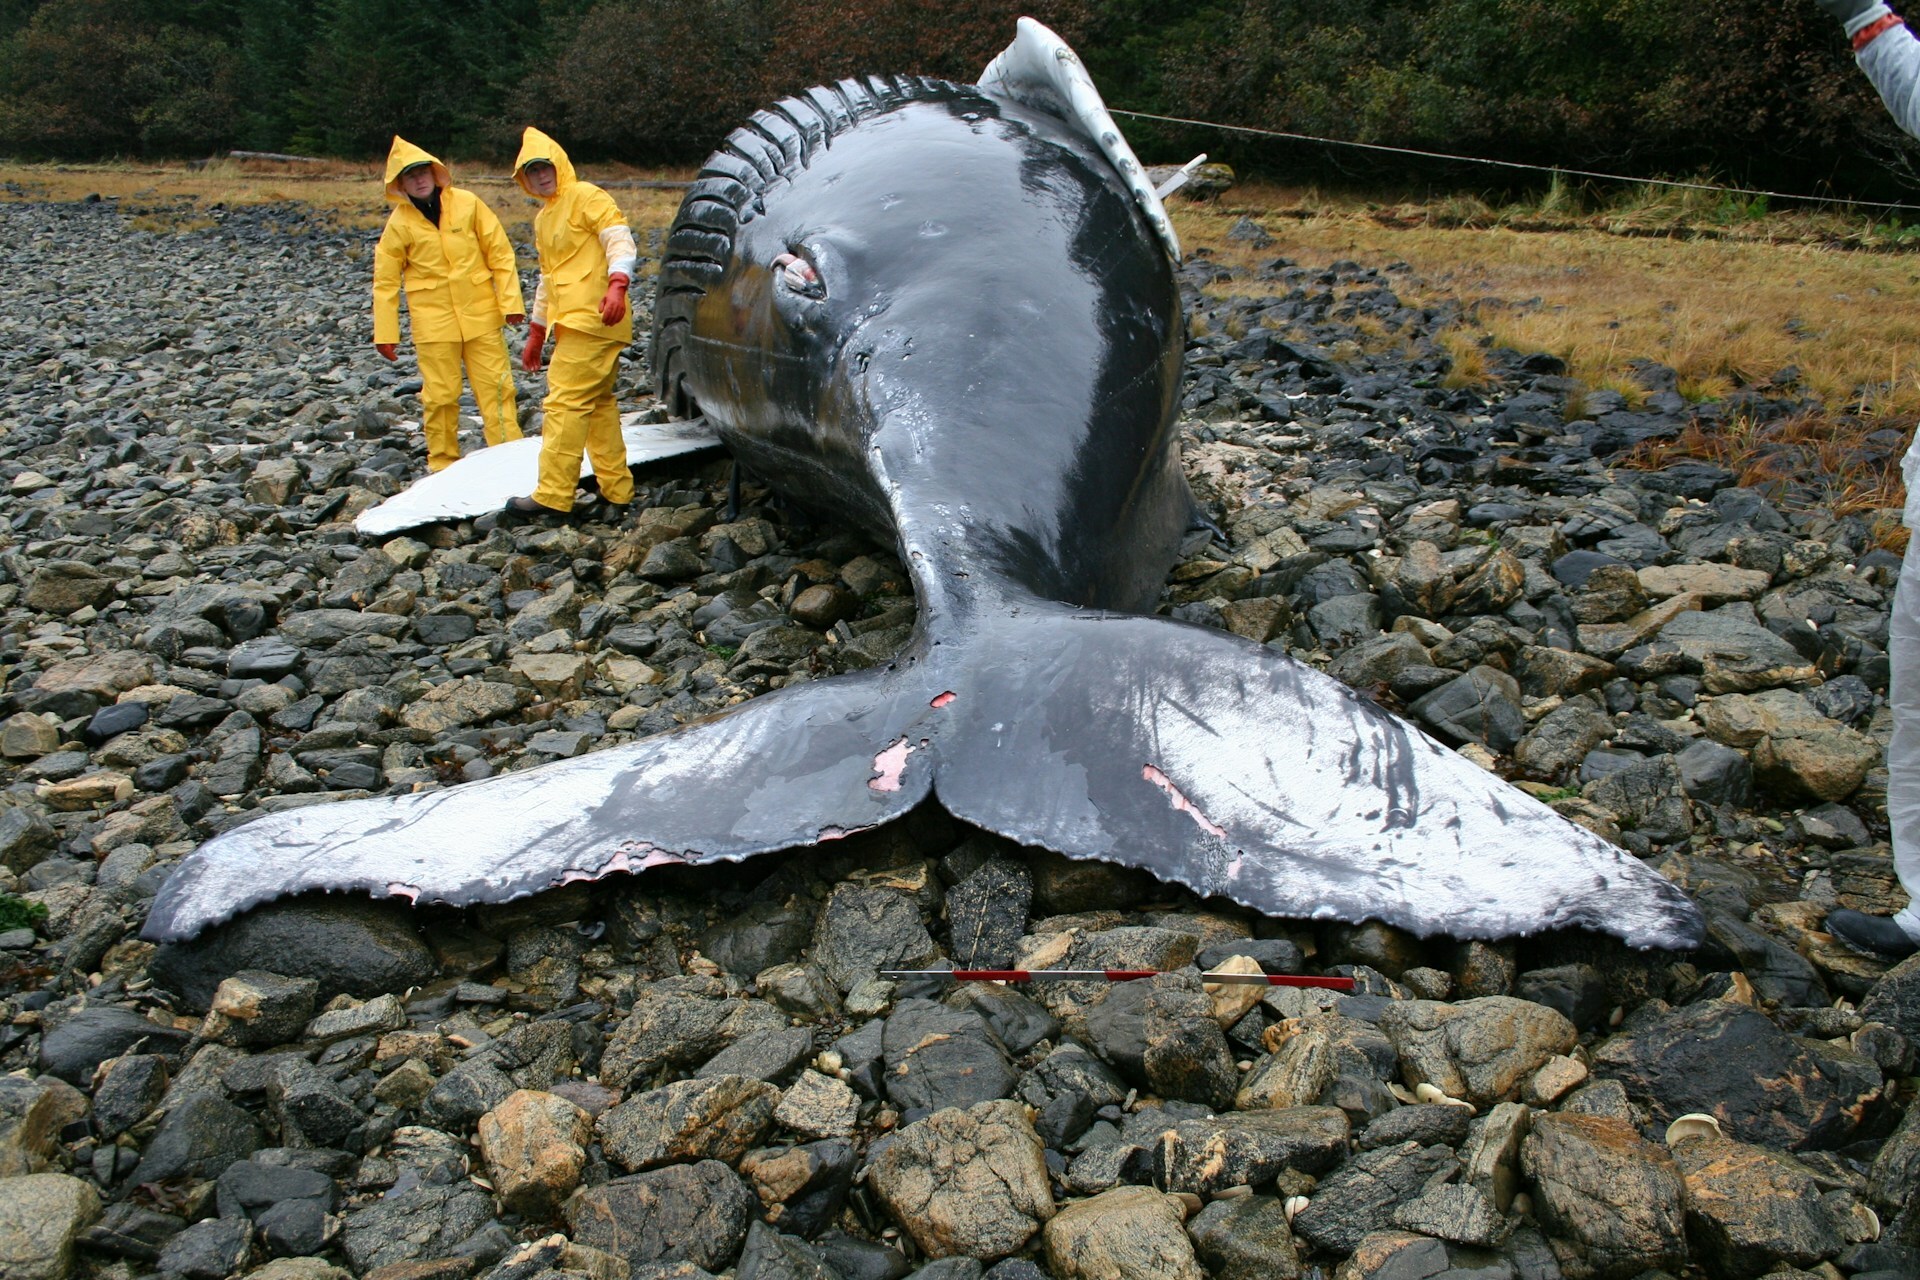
[[587, 260], [446, 248]]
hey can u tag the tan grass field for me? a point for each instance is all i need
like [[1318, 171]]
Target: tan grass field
[[1724, 294]]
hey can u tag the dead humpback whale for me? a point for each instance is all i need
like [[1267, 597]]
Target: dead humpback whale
[[950, 312]]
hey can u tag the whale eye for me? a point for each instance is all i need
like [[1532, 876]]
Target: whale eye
[[798, 275]]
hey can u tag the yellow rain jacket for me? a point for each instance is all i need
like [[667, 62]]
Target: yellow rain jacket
[[460, 277], [582, 236]]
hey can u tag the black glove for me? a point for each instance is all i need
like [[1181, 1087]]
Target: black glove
[[1850, 12]]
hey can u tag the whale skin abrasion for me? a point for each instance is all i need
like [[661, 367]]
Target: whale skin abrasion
[[950, 313]]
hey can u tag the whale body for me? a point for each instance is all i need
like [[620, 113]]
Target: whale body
[[949, 313]]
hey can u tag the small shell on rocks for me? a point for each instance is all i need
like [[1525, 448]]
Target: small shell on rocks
[[1404, 1094], [1293, 1205], [1239, 1192], [829, 1062], [1190, 1203], [1427, 1092], [1863, 1225], [1695, 1124]]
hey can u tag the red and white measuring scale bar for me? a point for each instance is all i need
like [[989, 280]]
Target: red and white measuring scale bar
[[1115, 975]]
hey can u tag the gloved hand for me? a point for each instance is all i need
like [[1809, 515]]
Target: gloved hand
[[536, 343], [613, 306], [1855, 14], [387, 350], [516, 320]]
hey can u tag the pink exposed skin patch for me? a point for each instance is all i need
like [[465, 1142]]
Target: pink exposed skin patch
[[840, 833], [943, 699], [1180, 802], [410, 892], [889, 765], [651, 855]]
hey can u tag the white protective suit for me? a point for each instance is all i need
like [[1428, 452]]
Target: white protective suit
[[1892, 62]]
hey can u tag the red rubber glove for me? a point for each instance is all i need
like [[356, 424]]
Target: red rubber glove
[[613, 307], [536, 343], [516, 320], [388, 350]]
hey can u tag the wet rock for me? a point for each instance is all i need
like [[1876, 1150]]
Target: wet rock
[[818, 1106], [74, 1048], [347, 947], [1562, 739], [422, 1222], [1895, 999], [1749, 1210], [675, 1022], [772, 1057], [719, 1118], [1361, 1195], [1245, 1238], [1400, 1255], [1481, 706], [41, 1215], [26, 839], [803, 1188], [987, 914], [864, 929], [1427, 1123], [209, 1250], [1764, 1086], [1322, 1056], [1893, 1182], [1454, 1213], [939, 1057], [1015, 1021], [67, 586], [695, 1213], [1478, 1050], [1600, 1184], [126, 1090], [766, 934], [535, 1147], [1205, 1156], [459, 704], [1577, 992], [30, 1121], [1129, 1233], [199, 1138], [1714, 774], [257, 1008], [770, 1255], [969, 1181]]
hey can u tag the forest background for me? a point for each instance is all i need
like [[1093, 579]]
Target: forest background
[[1755, 92]]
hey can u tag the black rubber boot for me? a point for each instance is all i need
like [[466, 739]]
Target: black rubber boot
[[1871, 935]]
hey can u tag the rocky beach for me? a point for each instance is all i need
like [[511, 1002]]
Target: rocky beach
[[699, 1072]]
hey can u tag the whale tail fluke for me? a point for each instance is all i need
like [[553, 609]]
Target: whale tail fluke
[[1228, 767], [1199, 757]]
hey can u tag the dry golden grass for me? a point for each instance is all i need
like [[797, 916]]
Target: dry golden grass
[[1686, 279]]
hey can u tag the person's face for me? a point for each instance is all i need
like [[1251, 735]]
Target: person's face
[[541, 178], [418, 183]]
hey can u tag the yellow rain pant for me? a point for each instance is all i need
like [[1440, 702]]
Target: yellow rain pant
[[582, 417], [485, 358]]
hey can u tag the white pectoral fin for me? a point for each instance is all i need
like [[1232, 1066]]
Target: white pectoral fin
[[815, 762], [483, 480]]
